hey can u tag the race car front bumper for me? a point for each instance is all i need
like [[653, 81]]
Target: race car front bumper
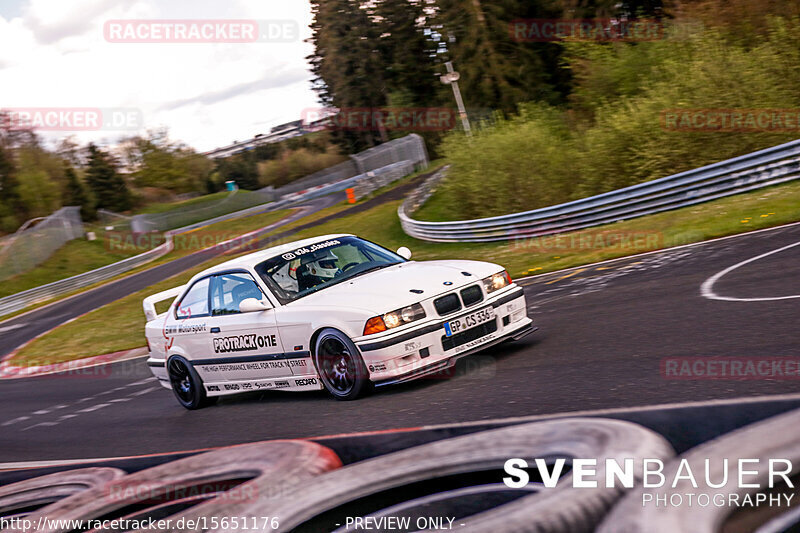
[[427, 350]]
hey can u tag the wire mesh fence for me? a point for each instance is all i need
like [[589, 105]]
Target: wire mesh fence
[[191, 214], [410, 148], [114, 221], [38, 239]]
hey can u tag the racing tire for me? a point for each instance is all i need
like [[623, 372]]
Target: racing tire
[[23, 497], [563, 509], [232, 483], [340, 366], [186, 384], [773, 438]]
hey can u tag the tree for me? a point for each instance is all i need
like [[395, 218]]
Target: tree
[[12, 211], [158, 162], [241, 169], [347, 66], [75, 193], [108, 187], [407, 52], [497, 71]]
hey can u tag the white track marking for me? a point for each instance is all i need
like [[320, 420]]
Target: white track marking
[[15, 420], [141, 382], [662, 250], [90, 409], [13, 327], [40, 424], [94, 408], [145, 391], [707, 288]]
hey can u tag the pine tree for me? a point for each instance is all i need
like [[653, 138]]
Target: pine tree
[[108, 187], [498, 72], [75, 193], [347, 66], [407, 53]]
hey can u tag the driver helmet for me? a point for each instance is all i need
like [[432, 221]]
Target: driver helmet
[[324, 265]]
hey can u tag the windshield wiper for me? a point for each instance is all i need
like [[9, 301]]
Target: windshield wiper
[[371, 269]]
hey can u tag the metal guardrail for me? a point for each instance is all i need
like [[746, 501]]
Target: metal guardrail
[[771, 166], [22, 300]]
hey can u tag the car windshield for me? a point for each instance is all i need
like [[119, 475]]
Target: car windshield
[[312, 268]]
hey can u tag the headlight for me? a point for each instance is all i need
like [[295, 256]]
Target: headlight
[[394, 319], [496, 282]]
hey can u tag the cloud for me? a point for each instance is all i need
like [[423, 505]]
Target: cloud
[[269, 81], [54, 20], [54, 55]]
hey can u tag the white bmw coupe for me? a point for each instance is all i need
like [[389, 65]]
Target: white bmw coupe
[[337, 312]]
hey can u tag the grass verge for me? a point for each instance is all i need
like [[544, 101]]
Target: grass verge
[[777, 205]]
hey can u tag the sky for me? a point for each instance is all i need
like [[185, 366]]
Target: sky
[[54, 54]]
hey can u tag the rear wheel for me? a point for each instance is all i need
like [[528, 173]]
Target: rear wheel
[[340, 366], [186, 384]]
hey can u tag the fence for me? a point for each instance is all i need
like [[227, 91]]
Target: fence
[[38, 239], [410, 148], [374, 180], [22, 300], [116, 221], [771, 166], [190, 214]]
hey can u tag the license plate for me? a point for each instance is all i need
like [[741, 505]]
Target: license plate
[[477, 318]]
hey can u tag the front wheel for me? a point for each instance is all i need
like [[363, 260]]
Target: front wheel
[[340, 366], [186, 384]]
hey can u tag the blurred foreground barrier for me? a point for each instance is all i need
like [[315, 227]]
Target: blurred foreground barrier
[[220, 490], [767, 167], [584, 474]]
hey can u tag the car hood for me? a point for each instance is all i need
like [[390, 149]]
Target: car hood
[[390, 288]]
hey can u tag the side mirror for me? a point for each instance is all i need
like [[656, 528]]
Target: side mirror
[[251, 305], [404, 252]]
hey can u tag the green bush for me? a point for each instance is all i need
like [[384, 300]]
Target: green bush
[[612, 136]]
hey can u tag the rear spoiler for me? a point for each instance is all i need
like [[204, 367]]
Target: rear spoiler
[[149, 303]]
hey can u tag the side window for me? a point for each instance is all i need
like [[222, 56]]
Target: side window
[[230, 290], [195, 303]]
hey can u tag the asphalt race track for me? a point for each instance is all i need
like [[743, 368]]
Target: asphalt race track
[[605, 330]]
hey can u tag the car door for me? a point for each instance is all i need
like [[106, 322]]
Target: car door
[[245, 346], [186, 330]]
